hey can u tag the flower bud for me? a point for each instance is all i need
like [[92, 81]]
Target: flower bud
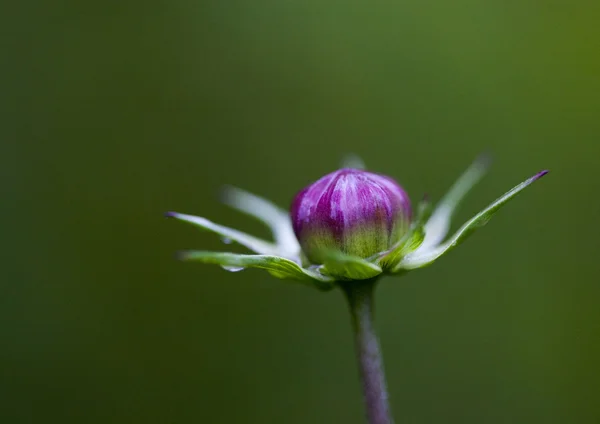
[[353, 211]]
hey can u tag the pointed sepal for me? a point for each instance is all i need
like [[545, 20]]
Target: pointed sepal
[[277, 266], [438, 225], [421, 258], [255, 244], [276, 218]]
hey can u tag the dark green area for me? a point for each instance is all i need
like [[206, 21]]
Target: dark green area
[[113, 112]]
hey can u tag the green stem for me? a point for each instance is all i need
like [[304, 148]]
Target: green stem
[[360, 301]]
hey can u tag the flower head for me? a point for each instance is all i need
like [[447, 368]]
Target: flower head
[[353, 211], [349, 225]]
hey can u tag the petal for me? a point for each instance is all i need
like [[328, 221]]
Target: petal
[[421, 258], [438, 225], [273, 216], [346, 267], [354, 211], [276, 265], [253, 243]]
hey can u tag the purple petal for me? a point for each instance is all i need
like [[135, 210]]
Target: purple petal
[[355, 211]]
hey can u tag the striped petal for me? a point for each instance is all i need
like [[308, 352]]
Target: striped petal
[[355, 212]]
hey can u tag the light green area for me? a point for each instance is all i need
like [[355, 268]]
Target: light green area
[[361, 241], [116, 112], [346, 267], [410, 241]]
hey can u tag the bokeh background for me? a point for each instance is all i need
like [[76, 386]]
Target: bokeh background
[[114, 112]]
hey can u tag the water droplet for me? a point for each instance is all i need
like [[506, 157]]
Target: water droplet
[[232, 268], [226, 240]]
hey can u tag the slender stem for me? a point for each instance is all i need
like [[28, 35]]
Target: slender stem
[[360, 301]]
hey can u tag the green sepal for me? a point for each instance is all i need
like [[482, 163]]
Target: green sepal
[[276, 218], [422, 258], [346, 267], [411, 240], [255, 244], [438, 225], [277, 266]]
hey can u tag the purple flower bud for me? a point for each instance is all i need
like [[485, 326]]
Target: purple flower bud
[[353, 211]]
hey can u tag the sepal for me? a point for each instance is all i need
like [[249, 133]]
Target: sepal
[[277, 266], [438, 225], [276, 218], [421, 258], [410, 242], [255, 244], [346, 267]]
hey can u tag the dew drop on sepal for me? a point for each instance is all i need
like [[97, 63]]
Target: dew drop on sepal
[[232, 268]]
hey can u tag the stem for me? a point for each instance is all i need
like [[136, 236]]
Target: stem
[[360, 301]]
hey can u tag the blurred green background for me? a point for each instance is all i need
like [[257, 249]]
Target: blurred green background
[[114, 112]]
